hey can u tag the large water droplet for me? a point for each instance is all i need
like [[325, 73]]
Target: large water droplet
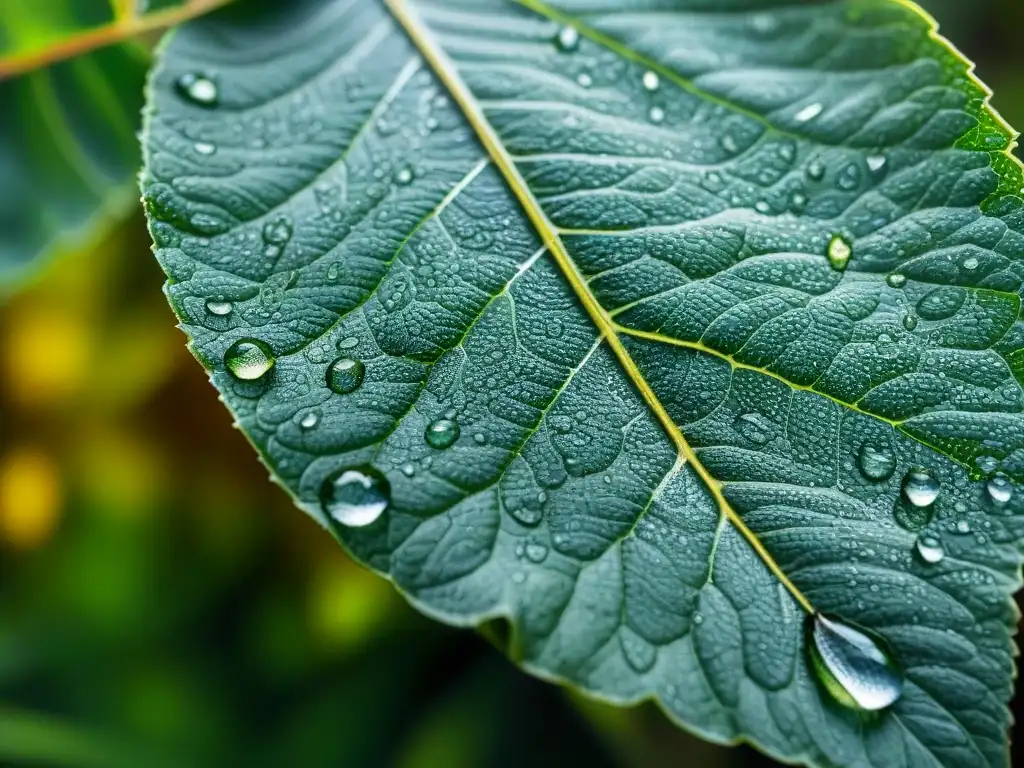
[[248, 359], [355, 497], [876, 464], [930, 549], [345, 375], [568, 39], [856, 667], [198, 89], [920, 488], [839, 252], [896, 280], [999, 488], [219, 308], [442, 433]]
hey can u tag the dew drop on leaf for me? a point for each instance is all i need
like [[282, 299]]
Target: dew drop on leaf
[[204, 148], [568, 39], [920, 488], [929, 549], [970, 263], [404, 176], [809, 112], [816, 170], [999, 488], [910, 321], [536, 552], [345, 375], [198, 89], [651, 81], [986, 464], [310, 420], [876, 464], [355, 497], [248, 359], [856, 667], [657, 114], [876, 164], [219, 308], [896, 280], [278, 231], [442, 433], [839, 252]]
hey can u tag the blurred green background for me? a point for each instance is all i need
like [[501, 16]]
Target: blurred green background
[[162, 604]]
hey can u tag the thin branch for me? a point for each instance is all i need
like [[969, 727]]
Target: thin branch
[[114, 32]]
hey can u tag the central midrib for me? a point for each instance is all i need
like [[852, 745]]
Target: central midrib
[[448, 75]]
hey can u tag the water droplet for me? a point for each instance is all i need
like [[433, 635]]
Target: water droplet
[[856, 667], [584, 80], [910, 321], [728, 142], [278, 231], [930, 549], [355, 497], [920, 488], [219, 308], [962, 526], [568, 39], [896, 280], [657, 114], [442, 433], [248, 359], [876, 163], [198, 89], [480, 438], [536, 553], [204, 148], [986, 464], [876, 464], [816, 170], [1000, 488], [408, 469], [349, 342], [839, 252], [809, 112], [639, 654], [310, 420], [971, 263], [404, 176], [754, 427], [345, 375], [798, 202], [651, 81]]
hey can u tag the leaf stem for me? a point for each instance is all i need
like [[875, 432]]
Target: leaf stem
[[117, 31]]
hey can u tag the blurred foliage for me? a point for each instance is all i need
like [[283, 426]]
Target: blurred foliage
[[162, 604]]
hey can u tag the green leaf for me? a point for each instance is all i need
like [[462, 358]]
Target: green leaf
[[653, 328]]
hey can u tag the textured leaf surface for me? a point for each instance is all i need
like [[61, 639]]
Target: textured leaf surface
[[595, 236]]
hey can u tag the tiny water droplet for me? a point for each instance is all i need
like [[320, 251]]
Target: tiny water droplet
[[930, 549], [657, 114], [248, 359], [920, 488], [971, 263], [568, 39], [855, 666], [1000, 488], [876, 464], [310, 420], [839, 252], [404, 176], [536, 553], [910, 321], [896, 280], [349, 342], [219, 308], [345, 375], [962, 526], [277, 231], [816, 170], [480, 438], [798, 202], [204, 148], [442, 433], [876, 163], [408, 469], [584, 80], [809, 112], [198, 89], [651, 81], [355, 497]]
